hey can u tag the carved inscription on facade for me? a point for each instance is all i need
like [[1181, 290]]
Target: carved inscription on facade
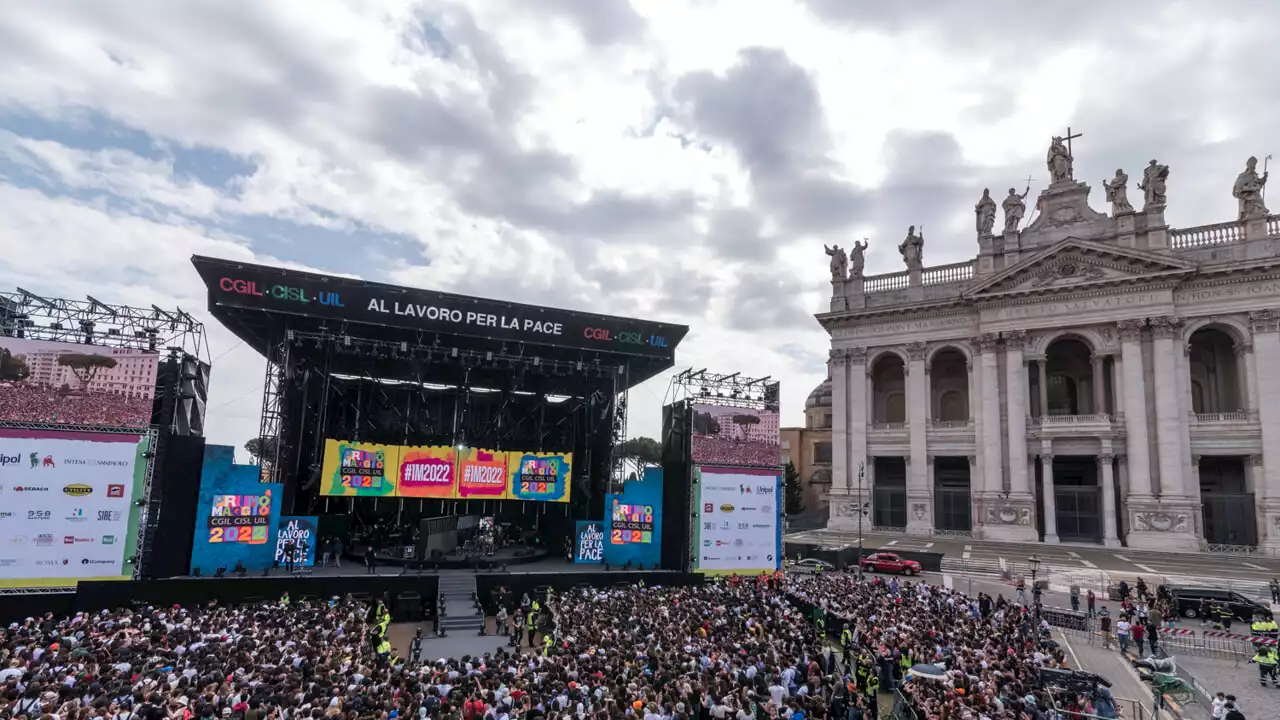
[[1262, 289], [1076, 307], [903, 328]]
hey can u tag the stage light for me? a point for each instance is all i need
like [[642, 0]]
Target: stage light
[[346, 341]]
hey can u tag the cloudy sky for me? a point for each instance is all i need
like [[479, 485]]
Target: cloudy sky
[[682, 160]]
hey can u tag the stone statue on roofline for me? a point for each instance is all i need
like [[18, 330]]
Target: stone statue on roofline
[[1118, 192], [1014, 208], [912, 249], [858, 257], [986, 212], [1059, 161], [1248, 191], [839, 262], [1153, 185]]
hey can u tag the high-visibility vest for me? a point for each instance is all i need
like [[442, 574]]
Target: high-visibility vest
[[529, 621], [384, 647], [1265, 657], [546, 645]]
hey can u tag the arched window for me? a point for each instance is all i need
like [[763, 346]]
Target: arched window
[[953, 406], [1062, 396], [895, 410]]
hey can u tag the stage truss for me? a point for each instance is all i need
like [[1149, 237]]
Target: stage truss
[[24, 314], [733, 390]]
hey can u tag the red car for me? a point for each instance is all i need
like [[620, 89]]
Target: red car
[[890, 563]]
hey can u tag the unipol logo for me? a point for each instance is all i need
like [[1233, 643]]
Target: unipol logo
[[483, 475], [427, 472]]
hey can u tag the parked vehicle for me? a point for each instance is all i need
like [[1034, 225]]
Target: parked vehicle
[[812, 565], [1187, 598], [889, 563]]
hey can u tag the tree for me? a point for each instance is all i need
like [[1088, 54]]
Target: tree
[[704, 423], [13, 368], [86, 366], [641, 452], [792, 492], [745, 421], [262, 449]]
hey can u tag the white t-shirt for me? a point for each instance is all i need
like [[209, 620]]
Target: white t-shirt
[[1122, 628]]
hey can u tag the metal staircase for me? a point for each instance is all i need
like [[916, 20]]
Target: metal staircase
[[461, 612]]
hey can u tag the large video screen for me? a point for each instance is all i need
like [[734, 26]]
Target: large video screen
[[67, 508], [70, 384], [739, 527], [355, 469], [734, 436]]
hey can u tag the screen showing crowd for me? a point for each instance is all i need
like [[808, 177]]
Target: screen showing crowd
[[69, 384], [355, 469], [736, 436]]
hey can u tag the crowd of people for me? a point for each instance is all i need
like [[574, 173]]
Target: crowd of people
[[776, 646], [713, 449], [29, 402]]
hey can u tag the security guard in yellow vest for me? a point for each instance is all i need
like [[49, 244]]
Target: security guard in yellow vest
[[846, 643], [383, 650], [1267, 659], [546, 644], [531, 626]]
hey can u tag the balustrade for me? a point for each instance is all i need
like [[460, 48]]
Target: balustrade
[[1218, 234], [943, 274], [884, 283]]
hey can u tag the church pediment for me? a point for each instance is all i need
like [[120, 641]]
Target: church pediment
[[1077, 264]]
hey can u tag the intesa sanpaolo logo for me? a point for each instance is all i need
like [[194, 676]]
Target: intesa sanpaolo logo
[[78, 490]]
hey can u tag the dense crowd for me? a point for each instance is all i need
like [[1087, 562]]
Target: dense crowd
[[716, 449], [739, 648], [27, 402]]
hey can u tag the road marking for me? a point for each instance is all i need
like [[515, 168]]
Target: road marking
[[1073, 554], [1075, 661], [1147, 569], [968, 547], [965, 555], [1089, 564], [929, 545], [1125, 559], [1255, 567], [892, 542]]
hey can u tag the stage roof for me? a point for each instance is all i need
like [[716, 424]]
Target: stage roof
[[260, 304]]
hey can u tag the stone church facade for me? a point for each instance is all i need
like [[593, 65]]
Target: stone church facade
[[1089, 377]]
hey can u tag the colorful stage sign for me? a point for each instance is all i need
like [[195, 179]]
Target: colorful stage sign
[[302, 531], [739, 523], [236, 516], [633, 522], [540, 476], [354, 469], [482, 475], [428, 472], [588, 544]]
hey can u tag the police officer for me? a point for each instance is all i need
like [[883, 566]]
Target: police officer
[[383, 651], [846, 642], [531, 625], [546, 644], [1267, 659]]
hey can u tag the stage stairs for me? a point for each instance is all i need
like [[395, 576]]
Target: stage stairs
[[461, 613]]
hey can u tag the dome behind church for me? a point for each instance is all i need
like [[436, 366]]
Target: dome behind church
[[820, 397]]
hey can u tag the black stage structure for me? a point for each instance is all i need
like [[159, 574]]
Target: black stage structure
[[363, 361]]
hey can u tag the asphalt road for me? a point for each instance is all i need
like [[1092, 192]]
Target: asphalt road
[[1123, 562]]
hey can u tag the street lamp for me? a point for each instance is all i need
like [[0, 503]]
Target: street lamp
[[1034, 562], [863, 509]]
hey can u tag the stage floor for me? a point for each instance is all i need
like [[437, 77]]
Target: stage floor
[[349, 569]]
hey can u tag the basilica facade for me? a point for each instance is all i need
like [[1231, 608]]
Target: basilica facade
[[1089, 377]]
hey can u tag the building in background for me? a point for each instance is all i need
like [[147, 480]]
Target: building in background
[[808, 448], [1088, 377], [134, 374]]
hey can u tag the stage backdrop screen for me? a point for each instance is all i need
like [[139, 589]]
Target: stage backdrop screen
[[67, 509], [301, 530], [236, 517], [354, 469], [540, 476], [428, 472], [588, 543], [69, 384], [633, 522], [739, 527], [736, 437]]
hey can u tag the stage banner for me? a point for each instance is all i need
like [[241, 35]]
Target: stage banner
[[302, 531], [67, 509], [428, 472], [727, 436], [354, 469], [633, 522], [739, 523], [482, 475], [236, 516], [588, 544], [540, 476]]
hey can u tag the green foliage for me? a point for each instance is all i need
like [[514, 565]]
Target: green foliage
[[792, 492]]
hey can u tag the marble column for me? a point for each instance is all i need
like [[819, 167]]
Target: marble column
[[859, 401], [838, 369], [1117, 384], [976, 476], [989, 442], [1098, 385], [1042, 384], [1047, 499], [918, 418], [1266, 347], [1135, 410], [1107, 480], [1248, 367], [1165, 352], [1016, 407]]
